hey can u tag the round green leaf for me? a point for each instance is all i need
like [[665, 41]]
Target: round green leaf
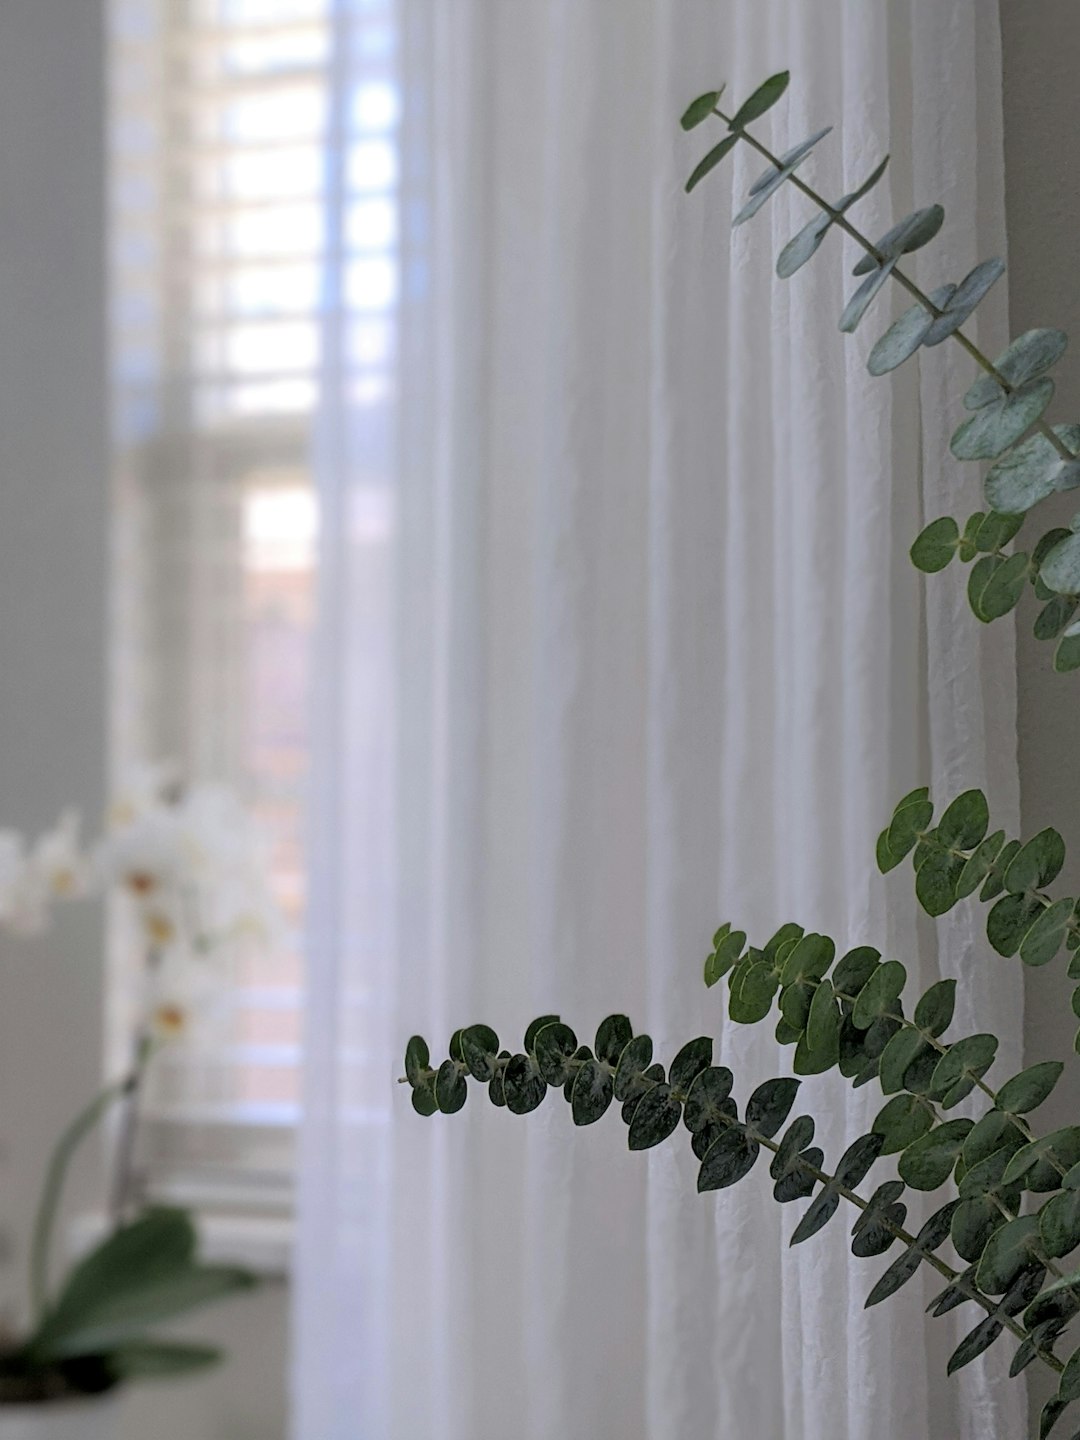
[[928, 1162], [978, 864], [556, 1046], [707, 1098], [534, 1029], [1037, 864], [523, 1086], [1059, 1224], [480, 1049], [934, 1012], [1067, 654], [1010, 920], [962, 1065], [1046, 937], [902, 1050], [778, 942], [965, 821], [1029, 355], [417, 1059], [770, 1105], [694, 1057], [996, 530], [451, 1090], [808, 959], [750, 1000], [1009, 1252], [973, 1223], [727, 950], [993, 428], [1027, 1091], [855, 969], [875, 1227], [910, 819], [936, 880], [996, 584], [1054, 617], [935, 546], [967, 296], [1059, 1150], [880, 993], [591, 1095], [655, 1118], [823, 1023], [612, 1038], [901, 1122], [727, 1161], [911, 233], [423, 1097]]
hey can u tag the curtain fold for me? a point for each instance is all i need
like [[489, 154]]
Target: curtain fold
[[620, 639]]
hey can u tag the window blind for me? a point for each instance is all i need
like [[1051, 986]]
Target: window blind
[[254, 215]]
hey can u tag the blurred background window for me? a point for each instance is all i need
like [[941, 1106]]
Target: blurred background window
[[254, 222]]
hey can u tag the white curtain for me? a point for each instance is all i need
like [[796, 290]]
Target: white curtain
[[620, 640]]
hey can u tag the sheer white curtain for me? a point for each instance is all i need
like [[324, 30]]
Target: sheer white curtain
[[621, 639]]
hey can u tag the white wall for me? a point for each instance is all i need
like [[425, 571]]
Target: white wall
[[53, 579], [1041, 50]]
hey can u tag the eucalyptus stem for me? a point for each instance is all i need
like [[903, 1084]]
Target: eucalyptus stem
[[837, 217]]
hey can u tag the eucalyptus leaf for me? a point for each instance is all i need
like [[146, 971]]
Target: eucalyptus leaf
[[875, 1228], [1031, 472], [555, 1047], [523, 1087], [612, 1038], [417, 1059], [993, 428], [979, 864], [451, 1091], [763, 98], [1010, 920], [707, 1097], [700, 109], [996, 584], [1045, 938], [911, 233], [633, 1062], [901, 1121], [727, 1161], [533, 1030], [863, 297], [711, 160], [808, 959], [817, 1216], [975, 1220], [769, 178], [1027, 1091], [1060, 571], [905, 335], [928, 1162], [967, 296], [935, 546], [1059, 1224], [1030, 354], [803, 246], [880, 993], [1054, 617], [694, 1057], [897, 1275], [937, 879], [726, 952], [905, 1047], [592, 1093], [480, 1049], [655, 1118], [855, 969], [961, 1067], [1009, 1252], [996, 530], [1037, 864], [1060, 1150], [770, 1105], [934, 1012]]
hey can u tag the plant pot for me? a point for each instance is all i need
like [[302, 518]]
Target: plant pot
[[91, 1418]]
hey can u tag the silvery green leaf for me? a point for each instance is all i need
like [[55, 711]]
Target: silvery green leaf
[[901, 1121], [911, 233], [700, 109], [655, 1118], [711, 160], [1027, 1091], [935, 546], [1032, 471], [906, 334], [863, 297], [763, 98], [1009, 1252], [846, 201], [1045, 938], [451, 1091], [1037, 864], [993, 428], [591, 1095], [707, 1098], [803, 246], [788, 162], [694, 1057], [968, 294], [1054, 617], [1029, 355], [1060, 571], [727, 1161], [928, 1162]]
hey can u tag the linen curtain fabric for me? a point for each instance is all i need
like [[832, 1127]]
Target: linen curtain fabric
[[620, 639]]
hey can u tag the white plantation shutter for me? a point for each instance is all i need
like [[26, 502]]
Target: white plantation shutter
[[254, 222]]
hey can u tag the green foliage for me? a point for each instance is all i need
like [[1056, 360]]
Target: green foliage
[[1011, 1203]]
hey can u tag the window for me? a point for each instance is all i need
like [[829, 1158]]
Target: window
[[254, 217]]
